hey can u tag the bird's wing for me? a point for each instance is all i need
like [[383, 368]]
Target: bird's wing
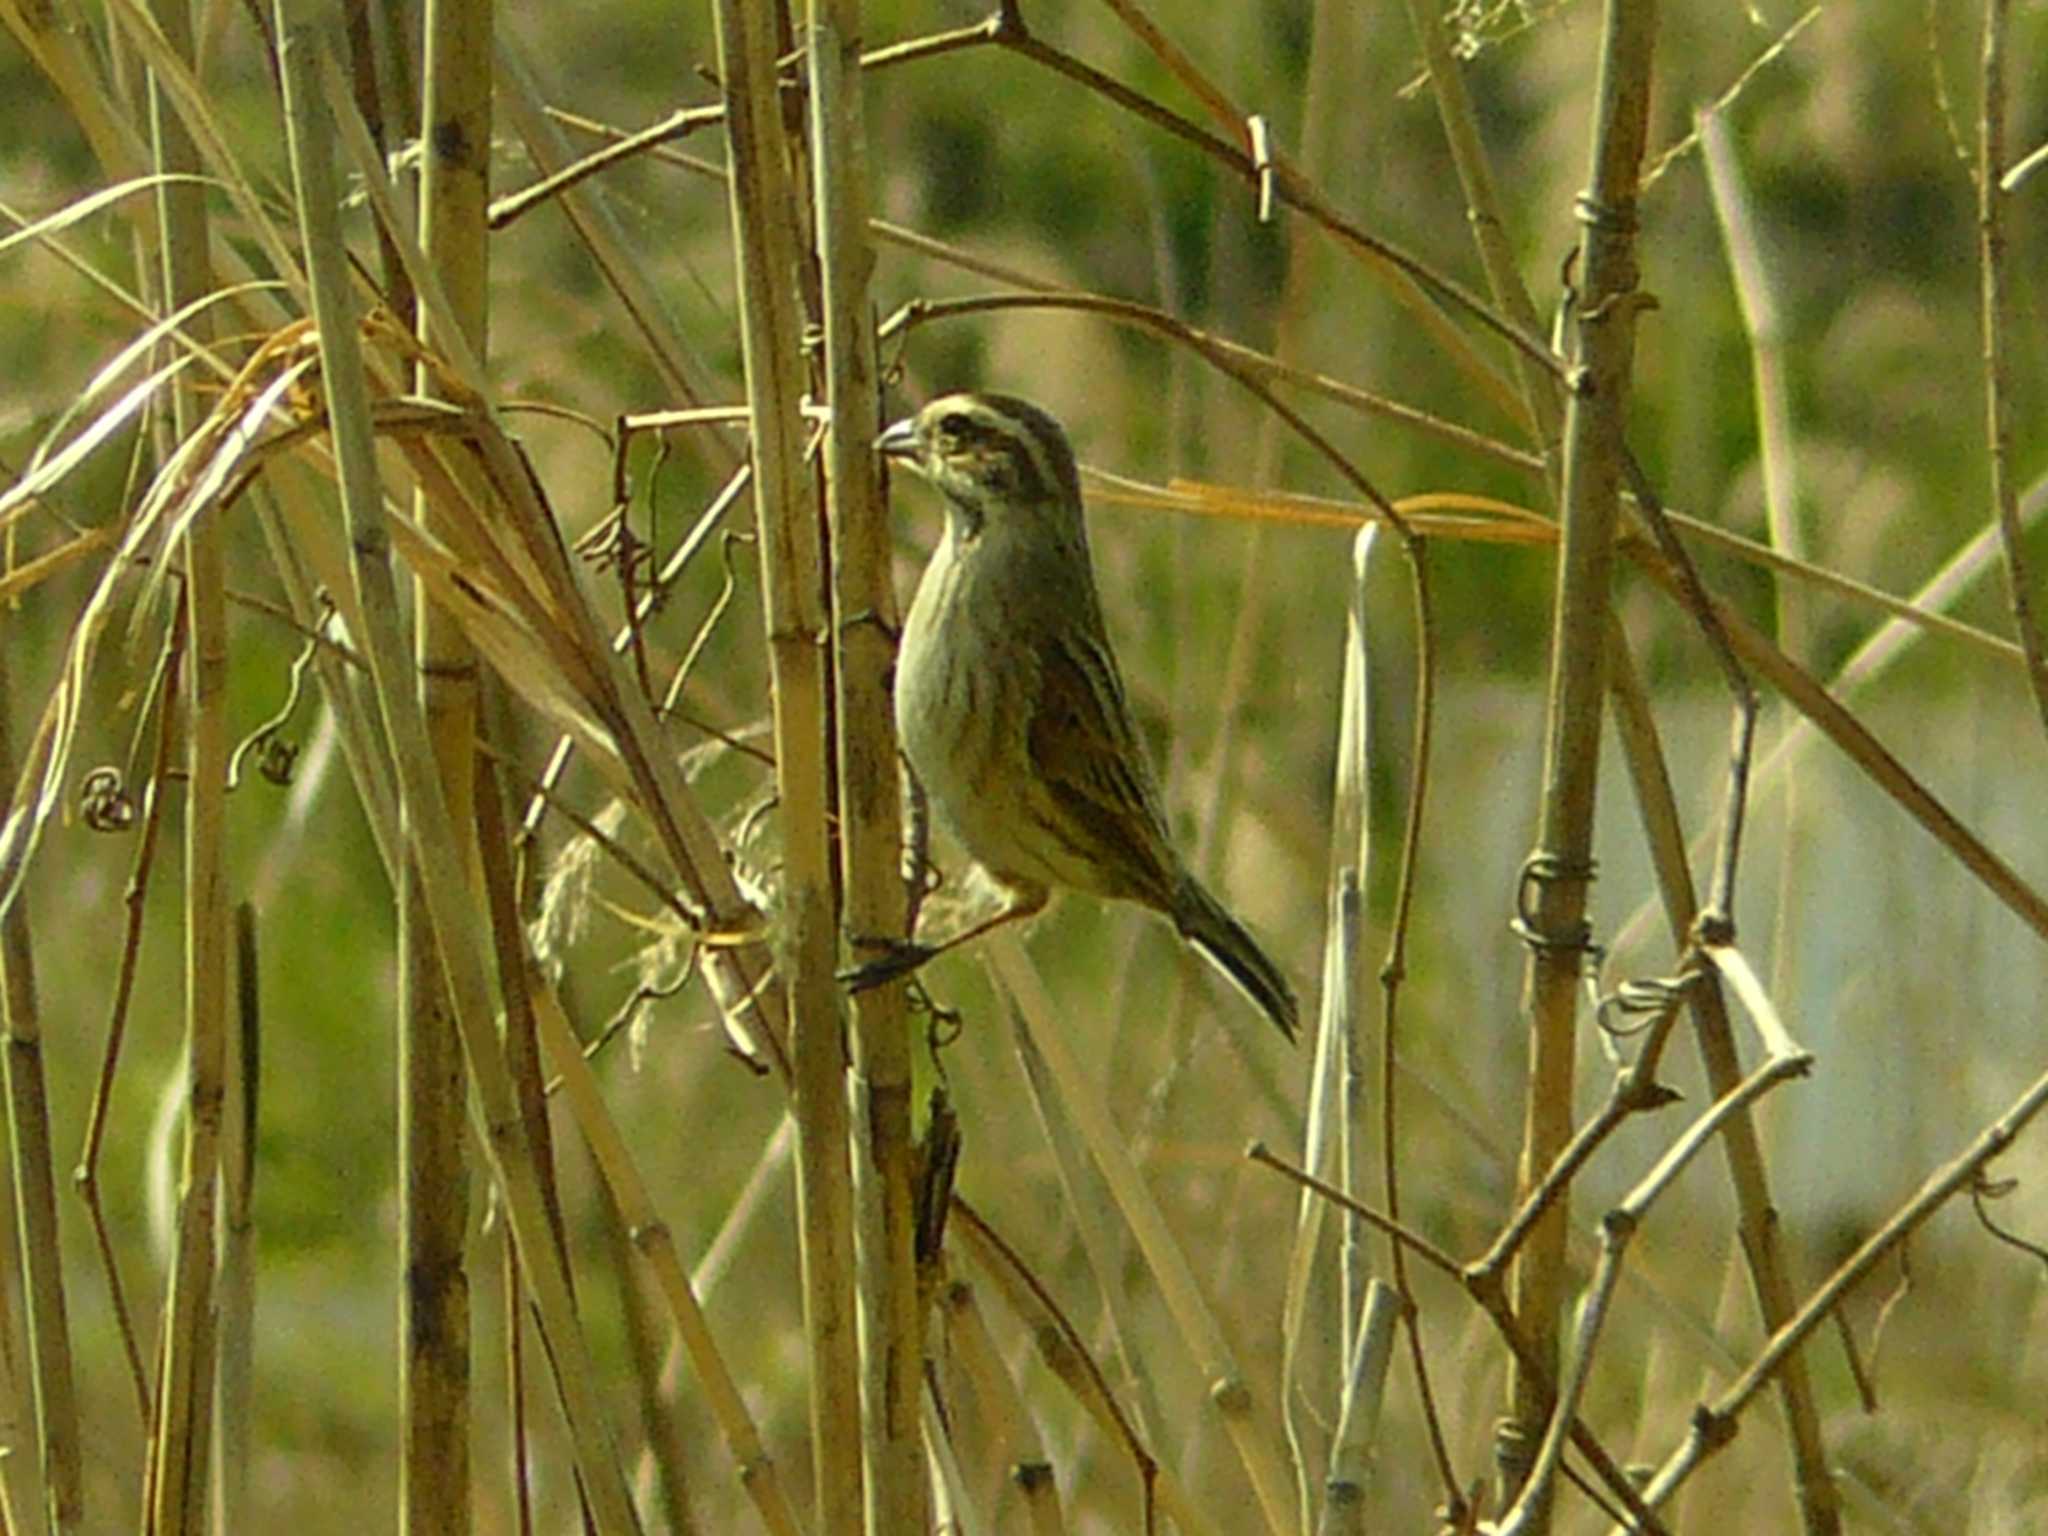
[[1101, 801]]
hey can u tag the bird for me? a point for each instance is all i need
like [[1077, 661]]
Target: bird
[[1009, 704]]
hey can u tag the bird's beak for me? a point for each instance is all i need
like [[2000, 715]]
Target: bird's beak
[[899, 440]]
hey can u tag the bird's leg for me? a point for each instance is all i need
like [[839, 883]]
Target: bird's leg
[[901, 957]]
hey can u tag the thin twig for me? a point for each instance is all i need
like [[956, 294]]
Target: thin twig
[[1493, 1302], [1715, 1424], [1617, 1228]]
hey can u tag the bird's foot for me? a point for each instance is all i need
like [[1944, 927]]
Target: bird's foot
[[899, 958]]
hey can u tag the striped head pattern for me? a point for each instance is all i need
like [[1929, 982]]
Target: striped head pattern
[[991, 457]]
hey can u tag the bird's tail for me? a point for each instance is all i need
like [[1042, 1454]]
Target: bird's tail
[[1224, 943]]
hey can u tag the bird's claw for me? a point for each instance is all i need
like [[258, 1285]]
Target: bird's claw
[[899, 958]]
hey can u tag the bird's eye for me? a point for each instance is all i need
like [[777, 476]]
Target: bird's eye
[[955, 424]]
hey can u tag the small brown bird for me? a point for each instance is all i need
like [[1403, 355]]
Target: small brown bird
[[1009, 703]]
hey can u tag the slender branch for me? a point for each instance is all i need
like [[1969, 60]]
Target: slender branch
[[1635, 1091]]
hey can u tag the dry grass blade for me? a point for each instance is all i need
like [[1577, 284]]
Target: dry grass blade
[[50, 472], [655, 1243], [1229, 1394], [1335, 1127], [185, 1402], [51, 225], [435, 850]]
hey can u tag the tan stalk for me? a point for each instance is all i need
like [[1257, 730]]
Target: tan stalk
[[870, 797], [1713, 1425], [1335, 1128], [63, 51], [1259, 365], [1618, 1226], [185, 1380], [15, 1411], [1355, 1443], [1856, 742], [35, 1195], [134, 899], [434, 1403], [433, 845], [529, 1078], [1887, 645], [766, 252], [1758, 1226], [953, 1504], [1483, 210], [1091, 1214], [1560, 871], [172, 77]]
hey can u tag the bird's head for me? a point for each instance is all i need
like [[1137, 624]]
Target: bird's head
[[996, 459]]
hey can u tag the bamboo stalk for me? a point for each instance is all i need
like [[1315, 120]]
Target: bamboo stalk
[[1091, 1216], [184, 1397], [1011, 1432], [737, 967], [1064, 1355], [523, 1058], [767, 253], [590, 214], [662, 1478], [1559, 873], [870, 799], [434, 1293], [1355, 1442]]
